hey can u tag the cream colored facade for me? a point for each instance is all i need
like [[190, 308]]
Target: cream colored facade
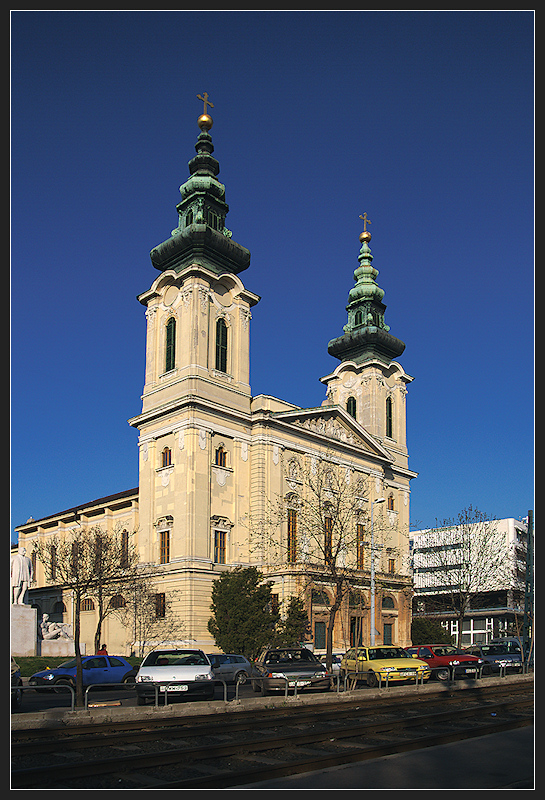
[[212, 458]]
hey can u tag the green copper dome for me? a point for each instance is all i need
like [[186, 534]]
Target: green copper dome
[[201, 236], [365, 334]]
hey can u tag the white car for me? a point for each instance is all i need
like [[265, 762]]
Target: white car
[[178, 674]]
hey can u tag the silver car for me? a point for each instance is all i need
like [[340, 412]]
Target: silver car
[[230, 667], [180, 674]]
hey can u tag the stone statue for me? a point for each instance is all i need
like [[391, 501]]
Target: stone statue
[[21, 577], [54, 630]]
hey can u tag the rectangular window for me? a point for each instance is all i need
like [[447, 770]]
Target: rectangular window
[[356, 631], [319, 635], [164, 547], [387, 637], [292, 535], [160, 606], [219, 547], [360, 546], [328, 533], [391, 565]]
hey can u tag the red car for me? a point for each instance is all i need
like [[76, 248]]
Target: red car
[[447, 661]]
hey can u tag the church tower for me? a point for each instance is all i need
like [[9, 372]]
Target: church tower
[[195, 418], [369, 383]]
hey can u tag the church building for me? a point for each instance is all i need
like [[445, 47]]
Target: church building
[[223, 473]]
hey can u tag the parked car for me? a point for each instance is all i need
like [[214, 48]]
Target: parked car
[[95, 670], [297, 665], [446, 660], [498, 657], [386, 662], [230, 667], [181, 673], [335, 662], [16, 685]]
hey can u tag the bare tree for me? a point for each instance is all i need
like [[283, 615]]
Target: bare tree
[[462, 558], [88, 562], [323, 525], [149, 614]]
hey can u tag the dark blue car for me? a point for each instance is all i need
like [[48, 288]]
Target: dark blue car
[[95, 669]]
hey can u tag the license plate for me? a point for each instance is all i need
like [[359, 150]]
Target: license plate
[[409, 674], [299, 683], [471, 669], [174, 687]]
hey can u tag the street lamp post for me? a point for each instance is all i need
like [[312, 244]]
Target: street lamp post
[[379, 500]]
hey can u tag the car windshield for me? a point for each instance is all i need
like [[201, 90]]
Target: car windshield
[[68, 664], [387, 652], [496, 650], [169, 658], [290, 657], [448, 650]]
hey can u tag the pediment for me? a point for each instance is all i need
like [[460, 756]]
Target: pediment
[[333, 422]]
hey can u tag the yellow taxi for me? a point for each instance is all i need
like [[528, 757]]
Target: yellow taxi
[[383, 664]]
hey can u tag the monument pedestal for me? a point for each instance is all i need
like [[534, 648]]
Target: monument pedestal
[[58, 647], [24, 630]]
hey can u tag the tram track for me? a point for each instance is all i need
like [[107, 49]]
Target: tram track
[[220, 752]]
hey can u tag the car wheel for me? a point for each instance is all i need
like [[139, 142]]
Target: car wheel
[[59, 686], [372, 680], [17, 697], [241, 677], [129, 679], [442, 674]]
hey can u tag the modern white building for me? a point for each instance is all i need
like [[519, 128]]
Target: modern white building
[[482, 564]]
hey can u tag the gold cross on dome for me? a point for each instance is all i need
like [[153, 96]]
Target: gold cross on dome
[[206, 102], [365, 220]]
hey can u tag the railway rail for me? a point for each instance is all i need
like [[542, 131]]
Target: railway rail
[[237, 749]]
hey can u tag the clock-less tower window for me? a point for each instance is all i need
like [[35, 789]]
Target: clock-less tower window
[[170, 345], [221, 345]]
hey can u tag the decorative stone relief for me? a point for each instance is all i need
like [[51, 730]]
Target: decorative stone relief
[[202, 439], [245, 317], [220, 475], [331, 428], [165, 475]]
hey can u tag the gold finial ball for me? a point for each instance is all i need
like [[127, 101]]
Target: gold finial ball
[[365, 236], [205, 122]]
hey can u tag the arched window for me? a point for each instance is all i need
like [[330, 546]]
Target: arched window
[[221, 457], [387, 602], [87, 605], [170, 349], [358, 319], [166, 457], [221, 345], [117, 601], [389, 418], [189, 217], [391, 504], [351, 406]]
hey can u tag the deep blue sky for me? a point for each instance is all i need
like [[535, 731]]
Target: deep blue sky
[[422, 119]]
